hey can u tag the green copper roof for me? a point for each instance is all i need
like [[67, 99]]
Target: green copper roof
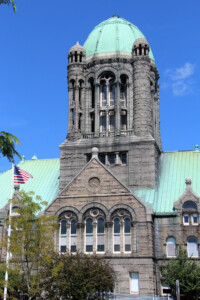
[[113, 35], [45, 181], [174, 167]]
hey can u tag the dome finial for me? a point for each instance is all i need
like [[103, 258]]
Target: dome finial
[[115, 16]]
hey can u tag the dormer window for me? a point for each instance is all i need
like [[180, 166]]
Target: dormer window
[[190, 214]]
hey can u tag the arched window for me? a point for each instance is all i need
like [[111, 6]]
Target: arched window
[[112, 95], [89, 235], [103, 91], [190, 205], [73, 235], [100, 235], [171, 247], [123, 90], [63, 236], [192, 247], [116, 235], [127, 235], [107, 89]]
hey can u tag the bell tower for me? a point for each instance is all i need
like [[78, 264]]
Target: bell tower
[[113, 98]]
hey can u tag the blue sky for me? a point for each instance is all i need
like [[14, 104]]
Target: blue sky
[[33, 59]]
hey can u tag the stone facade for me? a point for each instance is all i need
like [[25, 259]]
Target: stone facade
[[114, 110]]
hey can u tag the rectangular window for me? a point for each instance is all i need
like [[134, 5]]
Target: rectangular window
[[134, 283], [89, 243], [165, 289], [102, 158], [102, 122], [123, 120], [186, 219], [195, 219], [123, 158], [111, 159], [112, 121]]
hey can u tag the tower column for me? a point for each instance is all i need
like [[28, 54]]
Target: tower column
[[77, 107], [143, 110], [96, 109], [117, 109]]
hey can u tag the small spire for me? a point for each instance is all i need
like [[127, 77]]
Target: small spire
[[95, 152], [77, 43], [34, 157], [196, 148], [115, 16], [188, 183]]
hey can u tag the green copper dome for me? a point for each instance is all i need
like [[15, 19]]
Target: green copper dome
[[113, 35]]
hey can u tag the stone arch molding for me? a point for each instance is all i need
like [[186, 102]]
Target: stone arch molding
[[71, 208], [123, 206], [106, 69], [95, 205]]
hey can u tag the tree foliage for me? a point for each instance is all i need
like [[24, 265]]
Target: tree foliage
[[187, 271], [78, 276], [8, 143], [31, 245], [9, 2]]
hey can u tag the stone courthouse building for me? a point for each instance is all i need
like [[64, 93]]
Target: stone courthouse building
[[113, 190]]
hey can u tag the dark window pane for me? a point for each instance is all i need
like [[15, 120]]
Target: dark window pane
[[190, 205], [89, 225], [89, 248], [100, 225], [73, 227], [73, 248], [127, 225], [127, 247], [111, 159], [102, 158], [116, 225], [63, 249], [63, 227], [116, 248], [123, 158], [100, 248], [89, 156]]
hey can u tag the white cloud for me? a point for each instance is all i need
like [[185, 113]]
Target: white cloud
[[180, 79], [184, 72]]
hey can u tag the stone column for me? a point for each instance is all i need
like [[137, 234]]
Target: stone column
[[68, 236], [109, 238], [117, 109], [96, 109], [77, 107], [121, 236], [80, 237], [94, 236]]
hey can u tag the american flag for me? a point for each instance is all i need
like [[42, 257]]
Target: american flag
[[20, 176]]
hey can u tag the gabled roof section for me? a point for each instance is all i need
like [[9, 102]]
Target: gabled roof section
[[95, 179], [45, 182], [174, 168]]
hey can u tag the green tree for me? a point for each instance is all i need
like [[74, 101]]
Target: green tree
[[9, 2], [31, 245], [187, 271], [78, 276], [8, 143]]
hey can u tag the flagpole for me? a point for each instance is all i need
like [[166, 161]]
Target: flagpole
[[9, 233]]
